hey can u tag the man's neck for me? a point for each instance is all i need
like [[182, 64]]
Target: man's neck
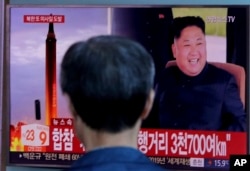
[[100, 139]]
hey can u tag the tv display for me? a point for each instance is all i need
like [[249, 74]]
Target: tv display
[[41, 131]]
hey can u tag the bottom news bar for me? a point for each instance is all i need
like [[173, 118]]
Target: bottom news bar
[[179, 163]]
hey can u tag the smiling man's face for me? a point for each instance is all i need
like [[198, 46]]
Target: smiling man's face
[[190, 50]]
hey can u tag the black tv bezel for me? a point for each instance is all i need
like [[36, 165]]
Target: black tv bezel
[[5, 92]]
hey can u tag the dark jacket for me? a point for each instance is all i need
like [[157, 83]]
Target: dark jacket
[[115, 159], [209, 101]]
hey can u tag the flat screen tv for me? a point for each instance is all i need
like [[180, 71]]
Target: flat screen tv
[[40, 125]]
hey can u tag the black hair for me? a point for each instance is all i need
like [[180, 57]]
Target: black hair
[[108, 79], [180, 23]]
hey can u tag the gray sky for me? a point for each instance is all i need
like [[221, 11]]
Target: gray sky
[[27, 54]]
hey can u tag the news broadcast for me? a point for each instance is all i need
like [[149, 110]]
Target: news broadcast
[[196, 123]]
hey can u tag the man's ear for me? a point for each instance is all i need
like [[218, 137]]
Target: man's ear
[[148, 104], [173, 50]]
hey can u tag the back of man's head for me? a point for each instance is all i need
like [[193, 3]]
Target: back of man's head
[[108, 79]]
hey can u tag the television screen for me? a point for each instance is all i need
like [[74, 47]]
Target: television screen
[[41, 131]]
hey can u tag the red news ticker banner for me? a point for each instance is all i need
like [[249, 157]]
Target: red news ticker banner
[[190, 143], [63, 138], [59, 137], [43, 18]]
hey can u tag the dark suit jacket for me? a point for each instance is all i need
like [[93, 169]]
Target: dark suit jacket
[[209, 101], [115, 159]]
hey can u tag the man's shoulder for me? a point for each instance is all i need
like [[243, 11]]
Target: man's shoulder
[[118, 166], [117, 158], [170, 71], [213, 68], [173, 68], [99, 168]]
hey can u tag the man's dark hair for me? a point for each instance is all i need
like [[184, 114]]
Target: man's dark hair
[[108, 79], [180, 23]]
